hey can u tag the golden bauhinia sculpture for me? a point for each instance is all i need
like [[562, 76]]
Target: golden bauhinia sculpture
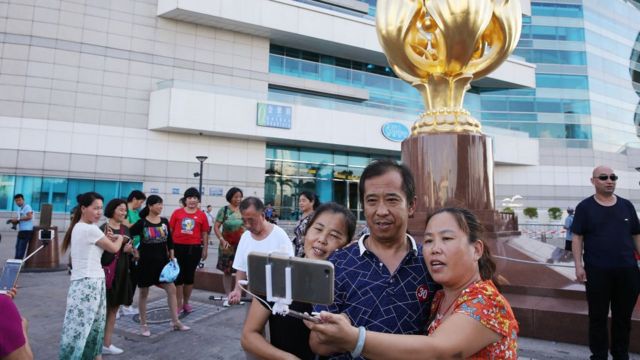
[[439, 46]]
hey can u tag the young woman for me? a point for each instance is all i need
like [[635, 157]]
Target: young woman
[[120, 291], [471, 319], [307, 202], [189, 230], [84, 320], [156, 250], [230, 221], [331, 227]]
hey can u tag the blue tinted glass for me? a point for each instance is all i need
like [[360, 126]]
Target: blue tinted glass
[[561, 81], [6, 191], [54, 191], [127, 187], [555, 10], [75, 188], [30, 187], [108, 189]]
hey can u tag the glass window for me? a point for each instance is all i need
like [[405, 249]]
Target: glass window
[[6, 192], [54, 191], [75, 188], [316, 155], [30, 187]]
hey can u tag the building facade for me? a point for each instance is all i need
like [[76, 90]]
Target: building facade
[[284, 96]]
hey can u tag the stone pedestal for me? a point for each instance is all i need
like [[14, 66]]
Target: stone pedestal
[[454, 170], [48, 258]]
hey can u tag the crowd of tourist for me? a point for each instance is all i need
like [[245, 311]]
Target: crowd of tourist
[[395, 296]]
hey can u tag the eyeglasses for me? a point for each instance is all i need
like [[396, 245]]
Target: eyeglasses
[[613, 177]]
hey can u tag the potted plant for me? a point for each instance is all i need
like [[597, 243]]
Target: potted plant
[[530, 212], [555, 213]]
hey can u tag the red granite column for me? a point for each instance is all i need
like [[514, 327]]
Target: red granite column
[[451, 170]]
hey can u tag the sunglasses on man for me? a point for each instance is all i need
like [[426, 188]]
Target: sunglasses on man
[[613, 177]]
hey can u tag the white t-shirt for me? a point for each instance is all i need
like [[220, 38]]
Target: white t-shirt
[[276, 241], [85, 254]]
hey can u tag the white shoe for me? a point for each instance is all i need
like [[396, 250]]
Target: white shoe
[[226, 303], [129, 310], [111, 350], [117, 314]]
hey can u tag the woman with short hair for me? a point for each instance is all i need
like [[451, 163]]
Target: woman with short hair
[[120, 290], [228, 228], [307, 202], [331, 227]]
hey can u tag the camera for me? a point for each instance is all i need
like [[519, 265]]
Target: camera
[[14, 225]]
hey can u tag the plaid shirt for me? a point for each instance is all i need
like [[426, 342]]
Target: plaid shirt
[[372, 297]]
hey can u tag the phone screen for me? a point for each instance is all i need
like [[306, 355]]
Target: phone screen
[[9, 275]]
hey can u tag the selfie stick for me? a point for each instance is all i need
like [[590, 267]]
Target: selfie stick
[[281, 305], [44, 243]]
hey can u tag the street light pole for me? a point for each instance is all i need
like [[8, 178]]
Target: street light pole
[[201, 159]]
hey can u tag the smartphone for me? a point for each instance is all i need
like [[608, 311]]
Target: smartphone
[[10, 275], [46, 234], [311, 280]]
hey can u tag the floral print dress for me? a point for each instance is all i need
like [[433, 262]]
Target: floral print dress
[[483, 302]]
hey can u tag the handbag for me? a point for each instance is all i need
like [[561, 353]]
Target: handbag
[[110, 268], [170, 271]]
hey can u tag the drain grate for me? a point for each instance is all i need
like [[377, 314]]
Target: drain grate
[[159, 315]]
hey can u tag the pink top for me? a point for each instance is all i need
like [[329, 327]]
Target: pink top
[[11, 334]]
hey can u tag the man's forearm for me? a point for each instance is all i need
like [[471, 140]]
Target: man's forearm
[[576, 249], [240, 275]]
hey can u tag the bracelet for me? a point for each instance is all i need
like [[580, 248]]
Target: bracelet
[[362, 332]]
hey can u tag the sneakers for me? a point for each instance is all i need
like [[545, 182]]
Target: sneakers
[[187, 309], [129, 310], [111, 350], [226, 303], [144, 331]]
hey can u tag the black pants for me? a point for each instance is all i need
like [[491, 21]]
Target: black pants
[[618, 288], [188, 259], [21, 243]]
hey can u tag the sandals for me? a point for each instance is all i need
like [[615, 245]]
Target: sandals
[[144, 330], [180, 326]]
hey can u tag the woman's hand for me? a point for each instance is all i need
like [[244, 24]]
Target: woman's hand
[[128, 248], [109, 233], [334, 331], [205, 252], [12, 293], [224, 243]]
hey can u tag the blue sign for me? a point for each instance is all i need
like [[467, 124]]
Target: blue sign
[[395, 131], [276, 116], [215, 191], [154, 190], [175, 191]]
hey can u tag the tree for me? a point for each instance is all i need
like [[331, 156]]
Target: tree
[[555, 213], [530, 212], [508, 210]]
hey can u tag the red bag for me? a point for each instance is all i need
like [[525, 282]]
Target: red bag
[[110, 269]]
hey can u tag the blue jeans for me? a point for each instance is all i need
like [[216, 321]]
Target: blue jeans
[[22, 242]]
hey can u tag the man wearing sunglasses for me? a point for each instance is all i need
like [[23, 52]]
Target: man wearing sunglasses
[[607, 228]]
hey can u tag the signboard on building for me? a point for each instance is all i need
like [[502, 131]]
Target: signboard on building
[[276, 116], [175, 191], [395, 131], [154, 190], [215, 191]]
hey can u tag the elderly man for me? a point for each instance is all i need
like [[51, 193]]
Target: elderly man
[[382, 282], [260, 235], [606, 227]]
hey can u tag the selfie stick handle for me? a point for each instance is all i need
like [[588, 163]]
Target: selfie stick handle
[[281, 305], [33, 253]]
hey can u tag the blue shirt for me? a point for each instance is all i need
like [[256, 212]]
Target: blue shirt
[[567, 225], [25, 225], [607, 232], [372, 297]]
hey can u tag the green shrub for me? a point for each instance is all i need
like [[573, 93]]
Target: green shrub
[[530, 212], [555, 213], [508, 210]]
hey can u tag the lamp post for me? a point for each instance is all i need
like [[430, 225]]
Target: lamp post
[[201, 159]]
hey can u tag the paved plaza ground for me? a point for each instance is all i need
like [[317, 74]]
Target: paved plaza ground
[[215, 330]]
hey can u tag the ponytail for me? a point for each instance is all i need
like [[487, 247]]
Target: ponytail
[[486, 265], [151, 200], [84, 200]]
